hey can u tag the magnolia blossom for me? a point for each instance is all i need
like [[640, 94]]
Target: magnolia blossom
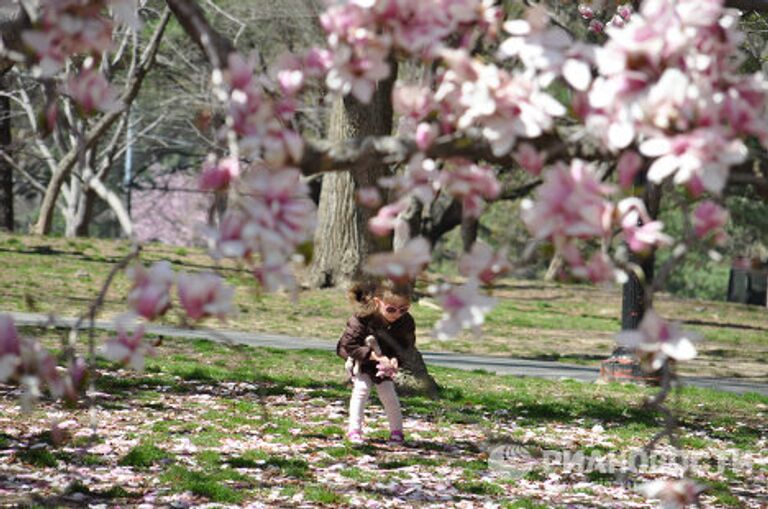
[[600, 269], [10, 348], [674, 494], [505, 106], [129, 346], [217, 175], [289, 74], [656, 340], [530, 159], [205, 294], [32, 365], [402, 265], [413, 101], [473, 183], [278, 204], [426, 134], [483, 264], [274, 272], [628, 166], [73, 381], [547, 50], [362, 35], [386, 218], [91, 91], [150, 293], [625, 11], [273, 217], [570, 203], [235, 237], [65, 29], [669, 80], [421, 179], [258, 120], [586, 11], [464, 306], [640, 232], [704, 153], [356, 71], [596, 26], [709, 218], [368, 197]]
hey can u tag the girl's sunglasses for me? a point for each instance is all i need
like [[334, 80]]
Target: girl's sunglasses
[[392, 309]]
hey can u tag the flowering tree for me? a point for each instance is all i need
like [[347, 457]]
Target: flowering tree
[[659, 95]]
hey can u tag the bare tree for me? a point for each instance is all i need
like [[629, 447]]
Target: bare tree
[[91, 135], [6, 169]]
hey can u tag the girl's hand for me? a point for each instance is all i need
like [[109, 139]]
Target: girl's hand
[[386, 367]]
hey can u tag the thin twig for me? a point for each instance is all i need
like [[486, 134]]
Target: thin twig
[[91, 316]]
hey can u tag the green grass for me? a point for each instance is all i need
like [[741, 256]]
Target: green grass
[[192, 368], [144, 455], [212, 485], [39, 457], [322, 495], [479, 488], [567, 323]]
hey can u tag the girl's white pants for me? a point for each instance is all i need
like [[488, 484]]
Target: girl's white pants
[[387, 394]]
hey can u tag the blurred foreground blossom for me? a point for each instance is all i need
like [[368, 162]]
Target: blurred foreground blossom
[[129, 346], [709, 218], [675, 494], [482, 263], [656, 340], [402, 265], [464, 307], [10, 348], [205, 294], [150, 295]]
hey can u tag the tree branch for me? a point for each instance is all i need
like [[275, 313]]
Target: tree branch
[[190, 16], [13, 20], [322, 156], [67, 163], [748, 5]]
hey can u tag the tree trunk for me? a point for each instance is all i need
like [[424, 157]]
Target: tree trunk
[[410, 224], [414, 379], [85, 213], [342, 239], [469, 227], [6, 171], [555, 266]]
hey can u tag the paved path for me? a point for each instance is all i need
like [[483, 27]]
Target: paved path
[[502, 365]]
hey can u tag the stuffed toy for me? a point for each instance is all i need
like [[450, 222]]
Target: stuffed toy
[[353, 368]]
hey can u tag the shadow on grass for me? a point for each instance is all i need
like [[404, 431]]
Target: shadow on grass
[[724, 325], [46, 250]]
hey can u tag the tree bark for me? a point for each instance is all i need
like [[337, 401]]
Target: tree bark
[[555, 266], [85, 213], [469, 226], [414, 379], [410, 224], [342, 239], [6, 169]]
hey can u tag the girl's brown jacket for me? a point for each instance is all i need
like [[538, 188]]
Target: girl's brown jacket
[[393, 339]]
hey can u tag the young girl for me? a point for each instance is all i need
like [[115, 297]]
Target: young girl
[[382, 312]]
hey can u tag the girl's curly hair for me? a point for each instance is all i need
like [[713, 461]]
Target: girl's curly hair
[[362, 292]]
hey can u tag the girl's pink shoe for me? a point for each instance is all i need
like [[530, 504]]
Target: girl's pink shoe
[[355, 436], [396, 437]]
